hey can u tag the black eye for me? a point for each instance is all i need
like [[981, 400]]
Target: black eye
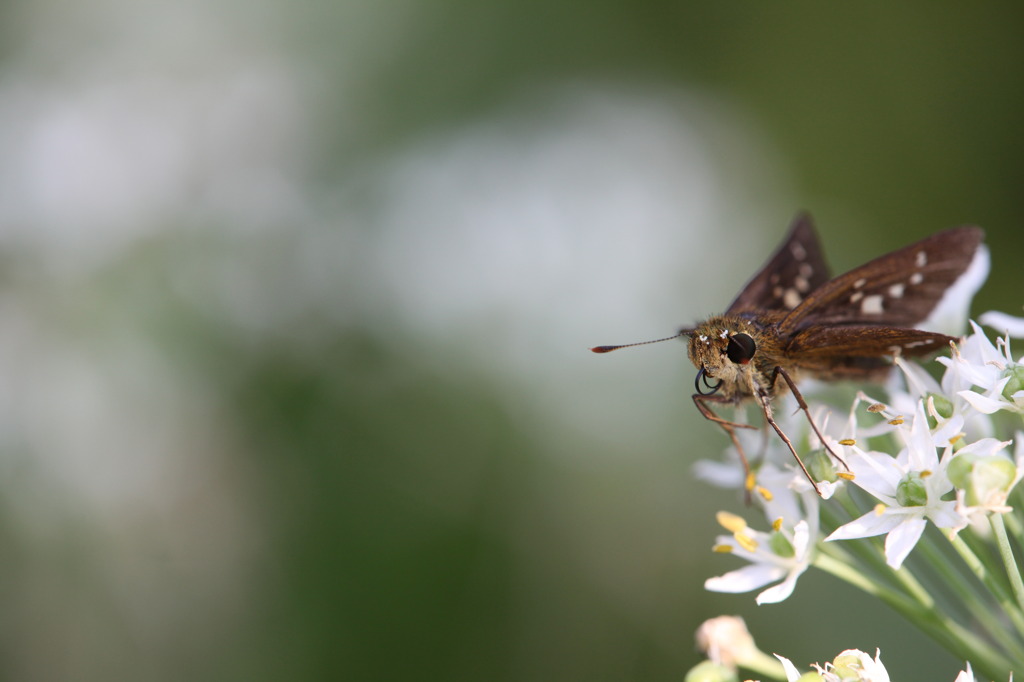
[[741, 348]]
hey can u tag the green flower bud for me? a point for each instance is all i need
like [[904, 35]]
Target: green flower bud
[[821, 466], [708, 671], [990, 475], [980, 477], [911, 491], [812, 676], [1016, 382], [781, 546], [847, 667], [960, 468], [943, 407]]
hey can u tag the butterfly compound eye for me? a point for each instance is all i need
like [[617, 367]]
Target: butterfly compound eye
[[741, 348]]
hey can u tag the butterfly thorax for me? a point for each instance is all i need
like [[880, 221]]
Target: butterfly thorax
[[739, 351]]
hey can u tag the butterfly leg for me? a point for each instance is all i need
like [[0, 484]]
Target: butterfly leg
[[730, 428], [803, 406], [762, 399]]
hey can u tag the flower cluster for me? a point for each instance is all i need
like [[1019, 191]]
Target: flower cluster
[[947, 453], [729, 645]]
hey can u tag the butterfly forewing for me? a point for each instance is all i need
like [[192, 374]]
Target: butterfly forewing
[[858, 351], [898, 289], [789, 276]]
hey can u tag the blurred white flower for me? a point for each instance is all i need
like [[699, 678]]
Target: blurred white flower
[[726, 640], [853, 665]]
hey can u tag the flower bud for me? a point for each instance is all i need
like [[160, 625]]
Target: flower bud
[[943, 408], [781, 546], [1016, 382], [911, 491], [821, 466]]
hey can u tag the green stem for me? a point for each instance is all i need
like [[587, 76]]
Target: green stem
[[1015, 526], [955, 638], [1006, 552], [765, 665], [969, 593], [998, 590]]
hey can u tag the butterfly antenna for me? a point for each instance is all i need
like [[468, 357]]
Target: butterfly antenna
[[609, 349]]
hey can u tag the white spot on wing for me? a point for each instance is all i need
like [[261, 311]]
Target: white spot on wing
[[798, 251], [872, 305], [859, 283], [921, 259], [791, 299], [856, 296], [806, 270], [802, 285], [916, 278], [896, 291]]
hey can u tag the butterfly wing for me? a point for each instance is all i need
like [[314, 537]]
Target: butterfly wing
[[899, 289], [796, 269]]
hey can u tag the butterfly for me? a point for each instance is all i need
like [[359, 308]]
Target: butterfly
[[792, 319]]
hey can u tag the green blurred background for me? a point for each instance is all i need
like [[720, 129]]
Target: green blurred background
[[297, 296]]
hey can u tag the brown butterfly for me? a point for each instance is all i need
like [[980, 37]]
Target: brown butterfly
[[792, 320]]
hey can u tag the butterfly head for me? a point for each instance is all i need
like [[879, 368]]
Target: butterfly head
[[723, 349]]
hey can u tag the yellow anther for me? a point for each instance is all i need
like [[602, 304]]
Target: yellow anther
[[722, 549], [953, 439], [845, 475], [750, 482], [879, 509], [731, 522], [876, 407], [745, 541], [777, 524], [847, 441], [897, 421], [765, 493]]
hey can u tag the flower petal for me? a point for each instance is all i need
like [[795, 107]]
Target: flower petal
[[866, 526], [745, 579], [1014, 326], [902, 539], [777, 593], [792, 674], [982, 403]]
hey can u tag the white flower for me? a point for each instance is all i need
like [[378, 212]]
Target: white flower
[[910, 488], [782, 555], [991, 368], [853, 665]]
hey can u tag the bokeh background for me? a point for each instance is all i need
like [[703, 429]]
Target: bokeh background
[[296, 297]]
